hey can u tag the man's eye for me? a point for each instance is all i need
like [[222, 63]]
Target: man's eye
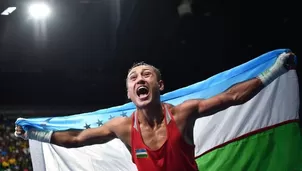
[[132, 77], [147, 73]]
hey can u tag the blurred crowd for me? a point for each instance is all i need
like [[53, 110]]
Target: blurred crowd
[[15, 154]]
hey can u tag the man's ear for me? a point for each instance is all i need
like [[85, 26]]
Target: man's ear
[[161, 85]]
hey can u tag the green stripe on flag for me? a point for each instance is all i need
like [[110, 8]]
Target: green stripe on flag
[[141, 155], [276, 149]]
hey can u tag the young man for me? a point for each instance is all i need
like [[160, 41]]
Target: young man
[[161, 133]]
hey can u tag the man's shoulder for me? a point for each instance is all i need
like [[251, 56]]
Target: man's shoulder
[[183, 109], [121, 121], [170, 107], [121, 126]]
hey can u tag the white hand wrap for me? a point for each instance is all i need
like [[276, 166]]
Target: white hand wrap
[[39, 135], [23, 136], [275, 71]]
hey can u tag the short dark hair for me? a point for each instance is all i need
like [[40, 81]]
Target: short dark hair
[[156, 70]]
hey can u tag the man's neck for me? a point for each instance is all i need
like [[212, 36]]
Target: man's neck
[[151, 115]]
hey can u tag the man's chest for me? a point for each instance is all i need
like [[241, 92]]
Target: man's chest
[[154, 138]]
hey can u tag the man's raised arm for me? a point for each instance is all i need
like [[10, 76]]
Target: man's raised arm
[[238, 93], [75, 138]]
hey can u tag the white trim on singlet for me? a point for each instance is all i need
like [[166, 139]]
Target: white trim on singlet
[[168, 115], [135, 121]]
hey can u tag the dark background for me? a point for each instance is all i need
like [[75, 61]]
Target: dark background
[[77, 60]]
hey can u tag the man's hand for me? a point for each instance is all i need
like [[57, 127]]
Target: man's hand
[[284, 62], [20, 133], [288, 60], [285, 59]]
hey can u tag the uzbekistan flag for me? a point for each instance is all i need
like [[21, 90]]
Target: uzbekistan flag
[[260, 135]]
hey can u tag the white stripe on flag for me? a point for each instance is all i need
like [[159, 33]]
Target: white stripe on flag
[[105, 157], [37, 156]]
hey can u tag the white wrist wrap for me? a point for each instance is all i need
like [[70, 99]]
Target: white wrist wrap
[[275, 71], [39, 135]]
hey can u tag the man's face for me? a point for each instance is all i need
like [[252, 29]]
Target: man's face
[[143, 86]]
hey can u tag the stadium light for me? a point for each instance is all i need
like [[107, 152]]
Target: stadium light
[[8, 11], [39, 11]]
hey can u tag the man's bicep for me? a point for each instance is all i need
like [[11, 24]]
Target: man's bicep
[[213, 105], [204, 107]]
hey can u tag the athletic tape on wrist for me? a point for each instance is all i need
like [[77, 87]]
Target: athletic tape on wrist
[[39, 135], [272, 73]]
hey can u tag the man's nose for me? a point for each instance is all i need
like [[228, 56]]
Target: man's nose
[[140, 80]]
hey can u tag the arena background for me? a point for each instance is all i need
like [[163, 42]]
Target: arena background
[[77, 59]]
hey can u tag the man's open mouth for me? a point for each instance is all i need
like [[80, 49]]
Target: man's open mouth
[[142, 91]]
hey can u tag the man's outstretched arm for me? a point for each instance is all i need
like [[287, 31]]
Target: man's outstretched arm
[[79, 138], [238, 93], [74, 138], [235, 95]]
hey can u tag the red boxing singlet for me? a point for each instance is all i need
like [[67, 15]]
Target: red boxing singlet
[[174, 155]]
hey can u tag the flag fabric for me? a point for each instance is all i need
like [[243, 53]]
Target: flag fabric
[[262, 134]]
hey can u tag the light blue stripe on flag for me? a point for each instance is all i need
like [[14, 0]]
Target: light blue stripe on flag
[[204, 89], [140, 150]]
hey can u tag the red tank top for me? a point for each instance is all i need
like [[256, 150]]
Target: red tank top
[[174, 155]]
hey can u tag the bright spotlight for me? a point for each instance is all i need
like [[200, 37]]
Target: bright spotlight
[[39, 11]]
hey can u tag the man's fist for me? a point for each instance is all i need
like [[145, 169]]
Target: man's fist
[[20, 133], [287, 59]]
